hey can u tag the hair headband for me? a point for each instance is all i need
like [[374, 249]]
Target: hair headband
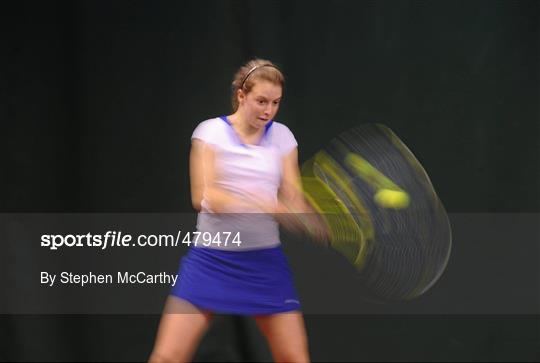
[[253, 70]]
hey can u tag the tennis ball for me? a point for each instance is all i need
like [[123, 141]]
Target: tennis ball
[[395, 199]]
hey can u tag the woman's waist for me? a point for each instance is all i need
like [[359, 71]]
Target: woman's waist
[[237, 231]]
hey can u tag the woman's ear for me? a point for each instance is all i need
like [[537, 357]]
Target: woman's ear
[[240, 96]]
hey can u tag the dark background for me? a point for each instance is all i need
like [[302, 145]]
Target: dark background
[[99, 99]]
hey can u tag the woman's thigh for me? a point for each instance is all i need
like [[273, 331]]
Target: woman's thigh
[[180, 330], [286, 336]]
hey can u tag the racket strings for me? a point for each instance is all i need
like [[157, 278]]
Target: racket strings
[[408, 248]]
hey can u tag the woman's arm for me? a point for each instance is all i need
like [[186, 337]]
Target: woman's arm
[[202, 176], [196, 173], [299, 216], [290, 190]]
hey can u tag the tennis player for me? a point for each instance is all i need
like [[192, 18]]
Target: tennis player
[[243, 170]]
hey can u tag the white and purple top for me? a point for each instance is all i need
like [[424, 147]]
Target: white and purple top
[[245, 170]]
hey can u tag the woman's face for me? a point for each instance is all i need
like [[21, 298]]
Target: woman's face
[[261, 104]]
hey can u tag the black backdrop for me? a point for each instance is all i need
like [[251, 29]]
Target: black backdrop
[[99, 100]]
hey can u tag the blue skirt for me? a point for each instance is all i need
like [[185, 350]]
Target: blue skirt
[[256, 282]]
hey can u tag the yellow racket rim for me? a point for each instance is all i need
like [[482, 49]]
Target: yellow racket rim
[[346, 235]]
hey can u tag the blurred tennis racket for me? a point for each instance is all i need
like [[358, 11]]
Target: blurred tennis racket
[[380, 210]]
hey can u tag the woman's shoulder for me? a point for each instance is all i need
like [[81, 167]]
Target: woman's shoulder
[[211, 122], [283, 137], [210, 129], [281, 129]]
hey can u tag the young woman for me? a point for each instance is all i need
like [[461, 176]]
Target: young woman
[[244, 172]]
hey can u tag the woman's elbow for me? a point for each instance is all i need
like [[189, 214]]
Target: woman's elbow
[[196, 203]]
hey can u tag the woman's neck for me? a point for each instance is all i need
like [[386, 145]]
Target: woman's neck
[[242, 126]]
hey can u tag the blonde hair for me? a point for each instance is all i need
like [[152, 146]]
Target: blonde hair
[[251, 72]]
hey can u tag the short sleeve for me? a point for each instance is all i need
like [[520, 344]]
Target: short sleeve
[[284, 139], [207, 131]]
